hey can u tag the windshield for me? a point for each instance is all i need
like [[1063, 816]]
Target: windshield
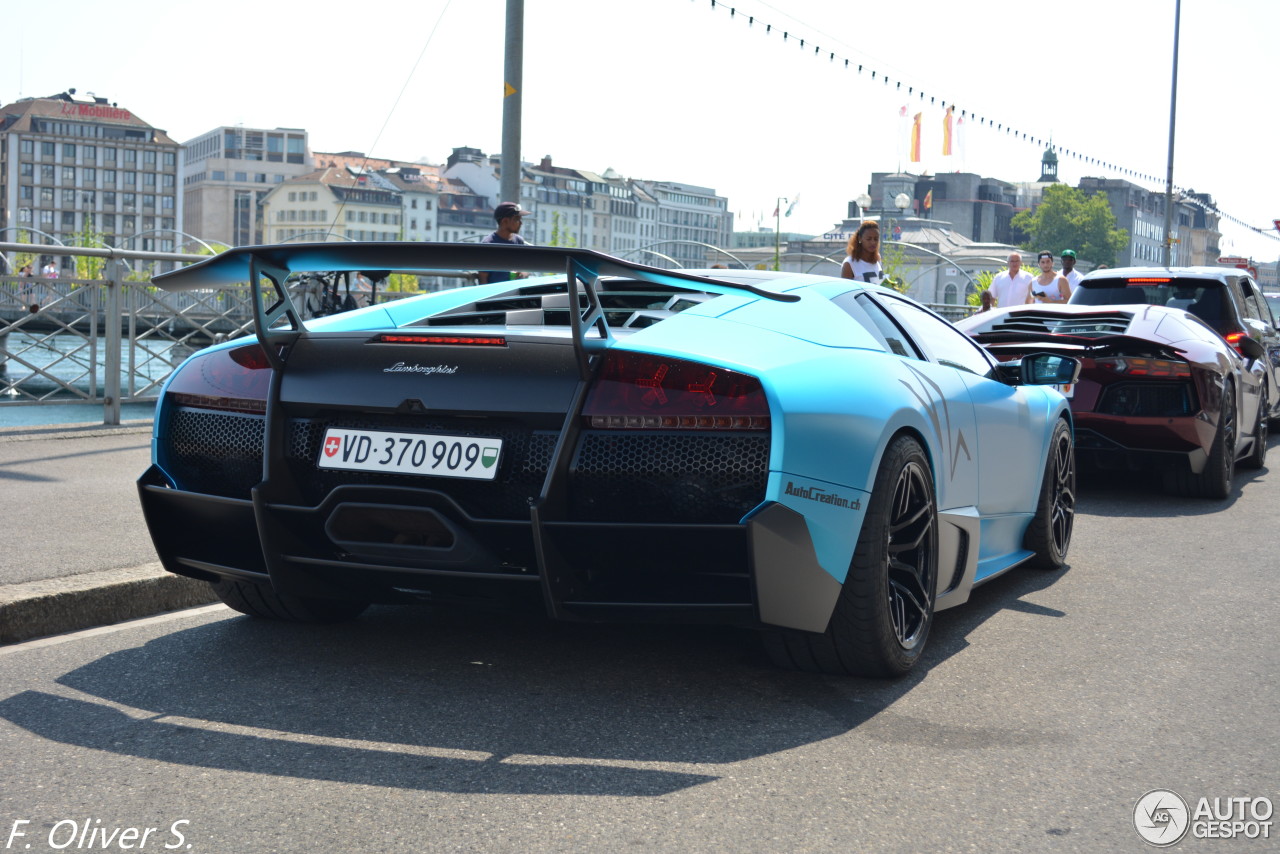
[[1202, 297]]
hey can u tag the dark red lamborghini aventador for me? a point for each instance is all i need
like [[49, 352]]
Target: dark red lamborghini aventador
[[1157, 387]]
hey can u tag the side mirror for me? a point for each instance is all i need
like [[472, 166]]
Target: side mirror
[[1049, 369], [1251, 348], [1040, 369]]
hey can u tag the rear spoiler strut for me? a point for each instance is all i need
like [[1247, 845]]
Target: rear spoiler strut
[[266, 268]]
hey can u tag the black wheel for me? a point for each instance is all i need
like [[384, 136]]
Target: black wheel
[[882, 618], [1049, 534], [1215, 480], [1258, 455], [259, 600]]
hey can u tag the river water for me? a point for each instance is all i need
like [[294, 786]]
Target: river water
[[48, 367]]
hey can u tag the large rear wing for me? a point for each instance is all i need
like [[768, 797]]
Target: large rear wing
[[277, 320]]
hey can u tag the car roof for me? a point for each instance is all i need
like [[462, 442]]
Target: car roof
[[1216, 274]]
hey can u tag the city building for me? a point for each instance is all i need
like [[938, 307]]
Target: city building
[[419, 188], [81, 169], [1140, 212], [561, 201], [464, 215], [332, 203], [646, 227], [690, 218], [226, 174], [418, 183]]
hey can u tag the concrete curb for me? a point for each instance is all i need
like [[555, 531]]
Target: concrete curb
[[71, 431], [54, 606]]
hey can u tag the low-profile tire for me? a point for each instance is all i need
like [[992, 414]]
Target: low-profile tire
[[1049, 534], [1214, 481], [1258, 455], [260, 600], [885, 610]]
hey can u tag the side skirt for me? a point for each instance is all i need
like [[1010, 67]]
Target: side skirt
[[959, 539]]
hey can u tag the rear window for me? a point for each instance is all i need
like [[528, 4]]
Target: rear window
[[1204, 298]]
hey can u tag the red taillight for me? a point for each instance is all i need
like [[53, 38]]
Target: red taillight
[[1233, 338], [1151, 368], [463, 340], [641, 392], [236, 380]]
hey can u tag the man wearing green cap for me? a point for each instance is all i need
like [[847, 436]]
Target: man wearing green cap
[[1069, 270]]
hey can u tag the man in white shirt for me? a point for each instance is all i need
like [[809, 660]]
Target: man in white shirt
[[1013, 286], [1069, 270]]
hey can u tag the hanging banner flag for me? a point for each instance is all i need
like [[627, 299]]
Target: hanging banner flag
[[946, 132], [915, 138], [793, 205], [928, 200]]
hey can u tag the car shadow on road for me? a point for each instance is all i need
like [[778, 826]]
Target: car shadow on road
[[413, 698], [1142, 494]]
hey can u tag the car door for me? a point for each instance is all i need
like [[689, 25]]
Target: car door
[[1008, 444], [1262, 326], [942, 393]]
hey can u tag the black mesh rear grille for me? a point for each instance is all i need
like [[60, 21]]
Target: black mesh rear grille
[[710, 478], [525, 456], [1147, 400], [669, 477], [215, 453]]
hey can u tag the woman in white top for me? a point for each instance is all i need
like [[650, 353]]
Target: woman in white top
[[1049, 286], [863, 261]]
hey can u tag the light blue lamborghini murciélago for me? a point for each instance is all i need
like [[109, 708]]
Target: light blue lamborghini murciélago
[[824, 460]]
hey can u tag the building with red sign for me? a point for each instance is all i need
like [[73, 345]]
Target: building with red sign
[[81, 170]]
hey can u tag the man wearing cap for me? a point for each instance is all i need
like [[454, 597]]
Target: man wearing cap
[[1069, 269], [510, 217]]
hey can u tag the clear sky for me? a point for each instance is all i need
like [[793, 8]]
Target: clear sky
[[688, 91]]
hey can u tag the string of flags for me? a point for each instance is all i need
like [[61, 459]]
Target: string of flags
[[952, 124]]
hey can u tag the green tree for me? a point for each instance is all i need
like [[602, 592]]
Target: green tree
[[402, 283], [560, 234], [22, 259], [142, 273], [893, 261], [982, 282], [88, 267], [1068, 219]]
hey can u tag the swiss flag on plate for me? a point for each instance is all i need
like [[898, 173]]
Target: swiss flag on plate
[[332, 445]]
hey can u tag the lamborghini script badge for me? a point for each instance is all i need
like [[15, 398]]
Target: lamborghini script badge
[[402, 368]]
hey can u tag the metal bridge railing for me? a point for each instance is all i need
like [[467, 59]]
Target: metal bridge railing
[[112, 341]]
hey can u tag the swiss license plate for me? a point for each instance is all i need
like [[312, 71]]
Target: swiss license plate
[[1067, 390], [470, 457]]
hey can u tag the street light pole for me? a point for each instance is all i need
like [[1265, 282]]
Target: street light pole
[[512, 84], [777, 233], [1173, 113]]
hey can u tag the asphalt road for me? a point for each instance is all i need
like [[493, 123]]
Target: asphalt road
[[1044, 709]]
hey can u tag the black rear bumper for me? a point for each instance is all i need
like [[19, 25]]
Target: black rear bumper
[[389, 546], [386, 543]]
